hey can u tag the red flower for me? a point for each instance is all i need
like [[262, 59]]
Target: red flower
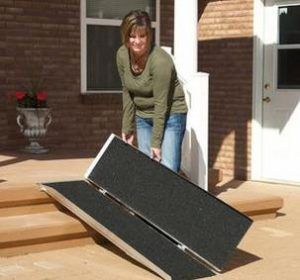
[[20, 95], [41, 96]]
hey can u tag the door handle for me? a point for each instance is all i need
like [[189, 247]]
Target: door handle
[[266, 99], [267, 86]]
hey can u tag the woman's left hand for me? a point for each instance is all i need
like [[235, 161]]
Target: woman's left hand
[[156, 154]]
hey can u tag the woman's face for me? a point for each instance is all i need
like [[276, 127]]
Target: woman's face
[[138, 41]]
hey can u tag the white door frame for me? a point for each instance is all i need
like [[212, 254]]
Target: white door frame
[[257, 94], [258, 34]]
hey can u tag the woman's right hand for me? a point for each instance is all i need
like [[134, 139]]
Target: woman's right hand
[[128, 138], [155, 154]]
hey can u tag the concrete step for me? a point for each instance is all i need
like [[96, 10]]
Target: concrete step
[[27, 233], [256, 205], [47, 245], [31, 221], [21, 228], [30, 209], [20, 195]]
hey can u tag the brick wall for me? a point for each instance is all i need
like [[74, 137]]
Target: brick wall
[[47, 35], [49, 32], [225, 52]]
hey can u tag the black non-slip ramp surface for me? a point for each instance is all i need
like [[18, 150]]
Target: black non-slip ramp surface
[[115, 221], [208, 227]]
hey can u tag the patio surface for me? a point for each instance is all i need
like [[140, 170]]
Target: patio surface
[[269, 250]]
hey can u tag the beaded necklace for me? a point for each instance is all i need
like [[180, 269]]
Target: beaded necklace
[[138, 64]]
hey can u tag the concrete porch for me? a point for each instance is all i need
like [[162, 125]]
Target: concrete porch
[[268, 247]]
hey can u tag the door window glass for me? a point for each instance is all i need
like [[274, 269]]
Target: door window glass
[[288, 49], [289, 25], [289, 69]]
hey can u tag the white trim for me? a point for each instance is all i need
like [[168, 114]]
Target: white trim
[[110, 22], [287, 91], [287, 47], [92, 92], [97, 158], [83, 46], [156, 24], [286, 2], [258, 41], [102, 21]]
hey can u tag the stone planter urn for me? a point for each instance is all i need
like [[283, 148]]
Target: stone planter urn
[[33, 123]]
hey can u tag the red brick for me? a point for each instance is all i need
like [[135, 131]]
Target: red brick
[[225, 52]]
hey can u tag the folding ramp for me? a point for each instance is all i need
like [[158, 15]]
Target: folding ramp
[[156, 216]]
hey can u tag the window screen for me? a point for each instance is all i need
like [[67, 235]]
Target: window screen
[[102, 39], [289, 69], [102, 45]]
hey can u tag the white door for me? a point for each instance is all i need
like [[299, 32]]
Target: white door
[[281, 93]]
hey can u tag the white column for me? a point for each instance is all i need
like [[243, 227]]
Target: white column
[[197, 129], [185, 36], [195, 145]]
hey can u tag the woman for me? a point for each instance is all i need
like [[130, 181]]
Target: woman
[[152, 95]]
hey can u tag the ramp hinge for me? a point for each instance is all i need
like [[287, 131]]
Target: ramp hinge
[[104, 192], [182, 247]]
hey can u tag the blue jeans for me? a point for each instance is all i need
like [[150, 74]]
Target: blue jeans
[[172, 139]]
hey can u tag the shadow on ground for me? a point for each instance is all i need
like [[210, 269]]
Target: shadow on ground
[[13, 157], [112, 248], [240, 258], [229, 185]]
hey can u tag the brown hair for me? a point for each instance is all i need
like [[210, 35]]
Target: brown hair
[[133, 20]]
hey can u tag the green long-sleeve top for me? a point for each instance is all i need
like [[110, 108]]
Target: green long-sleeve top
[[154, 93]]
